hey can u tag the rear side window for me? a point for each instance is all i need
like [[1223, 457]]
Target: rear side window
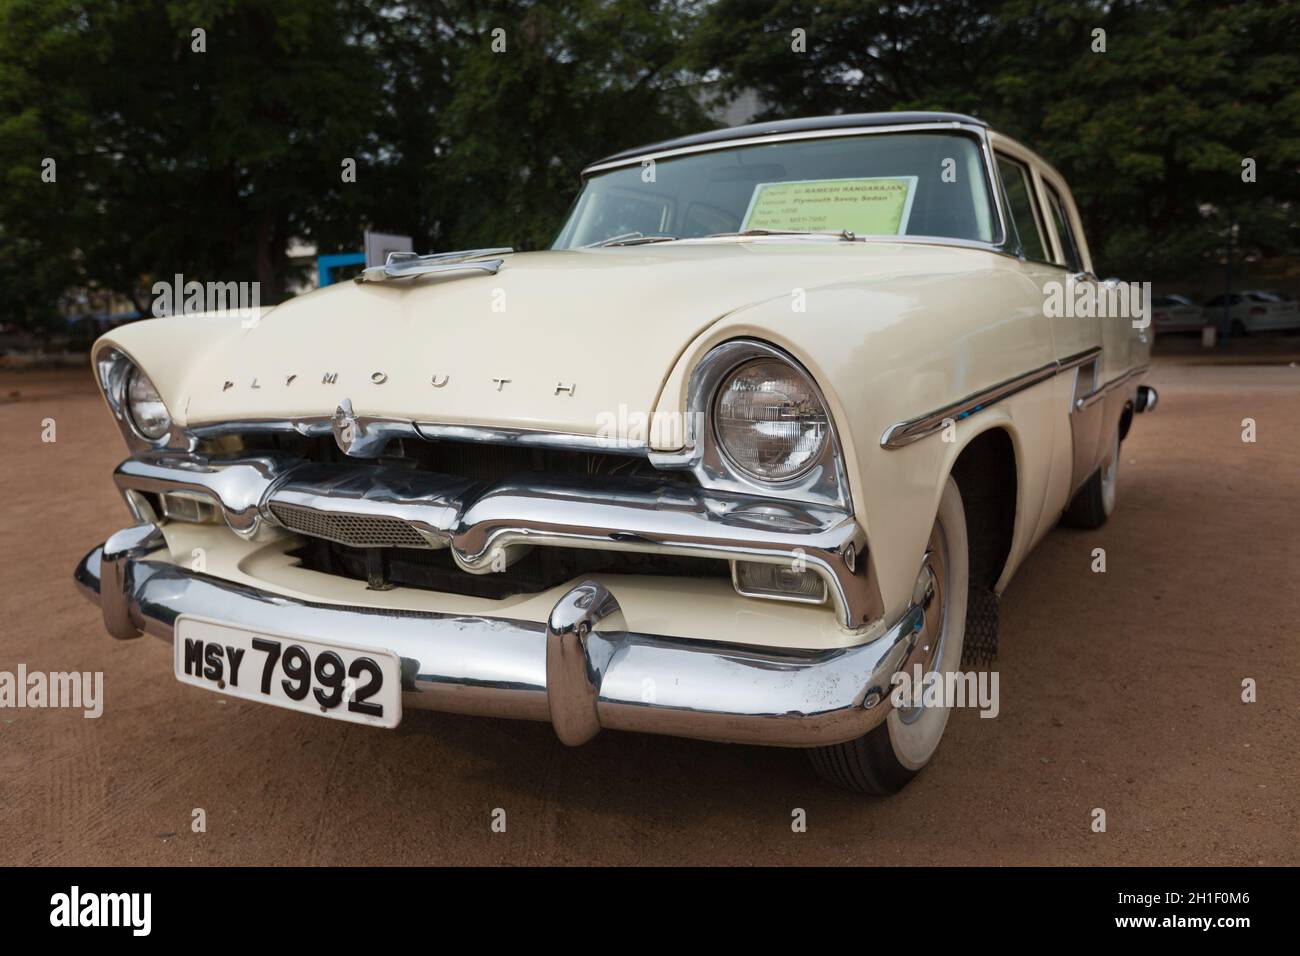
[[1073, 261], [1024, 214]]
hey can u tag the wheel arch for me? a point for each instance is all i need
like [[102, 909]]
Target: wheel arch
[[987, 471]]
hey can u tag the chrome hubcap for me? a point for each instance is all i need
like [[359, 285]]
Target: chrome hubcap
[[1109, 477], [929, 594]]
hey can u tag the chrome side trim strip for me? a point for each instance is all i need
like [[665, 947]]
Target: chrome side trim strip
[[583, 670], [1100, 393], [902, 434], [1078, 358]]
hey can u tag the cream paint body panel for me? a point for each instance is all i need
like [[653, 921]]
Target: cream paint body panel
[[886, 349], [611, 322]]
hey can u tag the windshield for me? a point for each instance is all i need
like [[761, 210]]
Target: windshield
[[896, 184]]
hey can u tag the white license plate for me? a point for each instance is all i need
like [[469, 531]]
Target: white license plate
[[330, 680]]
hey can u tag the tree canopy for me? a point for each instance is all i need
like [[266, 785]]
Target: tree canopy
[[199, 136], [1149, 119]]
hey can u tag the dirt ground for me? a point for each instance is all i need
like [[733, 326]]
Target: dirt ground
[[1119, 690]]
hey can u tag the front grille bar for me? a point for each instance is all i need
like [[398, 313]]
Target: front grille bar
[[483, 524]]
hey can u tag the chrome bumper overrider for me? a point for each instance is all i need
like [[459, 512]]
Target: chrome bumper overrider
[[582, 670]]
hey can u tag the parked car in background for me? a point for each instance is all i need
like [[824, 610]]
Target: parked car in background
[[1254, 310], [1176, 313], [772, 423]]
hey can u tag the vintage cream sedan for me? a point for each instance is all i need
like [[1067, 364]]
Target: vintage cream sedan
[[776, 419]]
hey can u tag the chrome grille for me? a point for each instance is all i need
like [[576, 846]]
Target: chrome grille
[[358, 531]]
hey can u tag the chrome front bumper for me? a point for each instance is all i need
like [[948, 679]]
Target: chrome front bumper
[[582, 670]]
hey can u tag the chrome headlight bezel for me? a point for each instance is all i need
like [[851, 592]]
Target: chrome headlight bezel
[[138, 381], [115, 370], [823, 483]]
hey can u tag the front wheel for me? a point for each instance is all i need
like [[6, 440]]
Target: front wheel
[[884, 759]]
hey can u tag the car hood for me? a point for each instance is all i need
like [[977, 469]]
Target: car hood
[[563, 341]]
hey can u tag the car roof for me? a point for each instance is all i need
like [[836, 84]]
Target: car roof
[[801, 125]]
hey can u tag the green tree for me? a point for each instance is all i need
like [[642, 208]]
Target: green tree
[[171, 158], [176, 151], [1151, 133]]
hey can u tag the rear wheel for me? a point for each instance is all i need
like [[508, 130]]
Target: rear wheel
[[1094, 502], [884, 759]]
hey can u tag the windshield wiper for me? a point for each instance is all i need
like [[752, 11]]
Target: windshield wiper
[[636, 238], [842, 234], [628, 239]]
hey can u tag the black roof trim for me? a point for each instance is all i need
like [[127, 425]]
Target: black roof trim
[[801, 125]]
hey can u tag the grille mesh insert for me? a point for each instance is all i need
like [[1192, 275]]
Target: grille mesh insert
[[358, 531]]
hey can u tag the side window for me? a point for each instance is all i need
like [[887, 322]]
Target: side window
[[1073, 261], [1024, 214]]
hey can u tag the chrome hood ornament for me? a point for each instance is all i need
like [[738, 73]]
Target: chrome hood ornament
[[403, 264], [345, 427], [359, 437]]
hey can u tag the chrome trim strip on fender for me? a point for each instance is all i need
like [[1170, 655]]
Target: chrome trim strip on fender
[[582, 670], [902, 434]]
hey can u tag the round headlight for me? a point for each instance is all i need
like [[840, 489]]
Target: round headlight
[[145, 405], [769, 421]]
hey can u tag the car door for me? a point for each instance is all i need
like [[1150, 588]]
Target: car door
[[1030, 239], [1097, 346]]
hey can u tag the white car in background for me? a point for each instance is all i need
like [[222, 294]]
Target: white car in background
[[1176, 313], [1254, 310]]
